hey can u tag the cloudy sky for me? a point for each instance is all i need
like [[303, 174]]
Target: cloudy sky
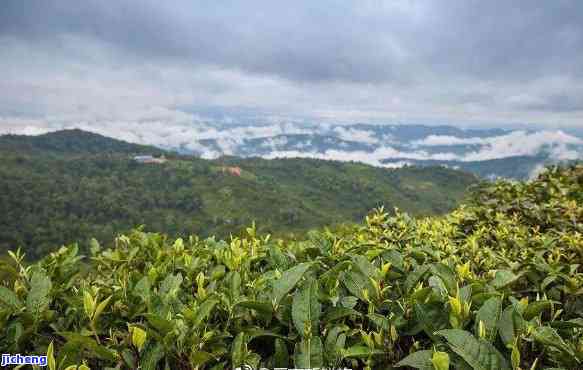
[[96, 62]]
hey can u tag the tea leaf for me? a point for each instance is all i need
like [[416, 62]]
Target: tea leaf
[[306, 308], [308, 353], [288, 280], [479, 354]]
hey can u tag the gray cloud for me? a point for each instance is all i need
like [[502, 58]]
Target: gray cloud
[[324, 40], [465, 60], [310, 41]]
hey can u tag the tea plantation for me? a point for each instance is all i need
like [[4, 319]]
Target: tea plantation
[[495, 284]]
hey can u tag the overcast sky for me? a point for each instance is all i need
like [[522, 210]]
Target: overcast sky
[[468, 61]]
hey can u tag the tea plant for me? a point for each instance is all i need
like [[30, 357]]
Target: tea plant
[[496, 284]]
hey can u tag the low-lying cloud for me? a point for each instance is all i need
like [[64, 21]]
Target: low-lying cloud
[[557, 144], [334, 142], [520, 143]]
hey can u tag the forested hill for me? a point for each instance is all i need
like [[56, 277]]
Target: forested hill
[[71, 186], [70, 142]]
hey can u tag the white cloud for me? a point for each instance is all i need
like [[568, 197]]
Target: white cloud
[[335, 155], [19, 126], [168, 128], [352, 134], [446, 140], [518, 143], [338, 155], [373, 158], [522, 143], [557, 144], [274, 142]]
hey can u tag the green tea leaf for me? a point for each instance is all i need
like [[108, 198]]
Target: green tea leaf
[[365, 267], [337, 313], [239, 350], [447, 276], [160, 324], [170, 286], [489, 314], [549, 337], [535, 308], [9, 298], [431, 317], [308, 353], [203, 311], [503, 278], [415, 276], [331, 345], [264, 308], [288, 280], [361, 352], [100, 307], [281, 355], [509, 325], [142, 289], [38, 298], [418, 360], [479, 354], [234, 280], [199, 358], [151, 356], [357, 284], [306, 308], [88, 304]]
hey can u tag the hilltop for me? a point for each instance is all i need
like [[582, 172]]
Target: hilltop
[[72, 185], [70, 142]]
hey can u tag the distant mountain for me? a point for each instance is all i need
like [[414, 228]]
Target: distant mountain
[[65, 186], [489, 153], [518, 167]]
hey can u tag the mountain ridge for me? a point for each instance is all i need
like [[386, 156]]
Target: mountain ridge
[[72, 141]]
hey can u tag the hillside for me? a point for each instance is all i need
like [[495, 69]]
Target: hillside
[[495, 285], [70, 186], [69, 142]]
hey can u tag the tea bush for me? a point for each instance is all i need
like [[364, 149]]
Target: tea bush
[[496, 284]]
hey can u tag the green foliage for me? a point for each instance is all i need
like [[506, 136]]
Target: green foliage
[[478, 353], [306, 309], [72, 186], [422, 360], [73, 142], [496, 284]]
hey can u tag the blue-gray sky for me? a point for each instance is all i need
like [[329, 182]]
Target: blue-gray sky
[[469, 61]]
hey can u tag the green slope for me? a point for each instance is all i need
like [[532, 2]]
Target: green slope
[[70, 142], [59, 188]]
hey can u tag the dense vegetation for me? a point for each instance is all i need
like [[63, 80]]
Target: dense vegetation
[[496, 284], [72, 185], [70, 142]]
